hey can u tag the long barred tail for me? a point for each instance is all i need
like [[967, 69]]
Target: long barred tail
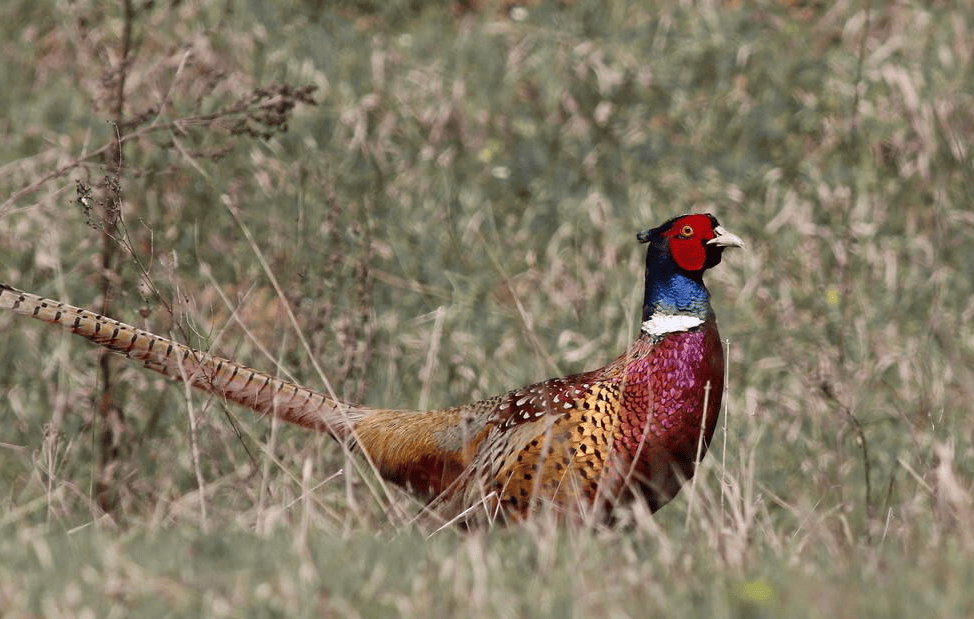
[[260, 392]]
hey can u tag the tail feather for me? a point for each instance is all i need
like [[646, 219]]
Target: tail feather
[[423, 450], [263, 393]]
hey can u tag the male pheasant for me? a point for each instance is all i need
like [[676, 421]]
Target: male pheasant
[[579, 444]]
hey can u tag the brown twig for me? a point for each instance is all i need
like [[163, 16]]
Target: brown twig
[[108, 409]]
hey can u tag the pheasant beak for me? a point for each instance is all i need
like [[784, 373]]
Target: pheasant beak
[[725, 239]]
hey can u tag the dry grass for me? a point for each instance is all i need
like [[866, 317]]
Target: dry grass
[[455, 217]]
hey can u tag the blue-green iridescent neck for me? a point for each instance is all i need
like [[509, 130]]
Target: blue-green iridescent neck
[[673, 291]]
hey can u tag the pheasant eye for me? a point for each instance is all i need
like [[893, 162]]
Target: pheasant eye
[[687, 231]]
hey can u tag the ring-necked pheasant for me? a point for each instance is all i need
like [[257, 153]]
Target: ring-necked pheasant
[[580, 443]]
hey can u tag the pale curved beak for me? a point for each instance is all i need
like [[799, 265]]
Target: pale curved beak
[[725, 238]]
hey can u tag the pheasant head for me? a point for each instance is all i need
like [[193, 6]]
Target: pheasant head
[[679, 252]]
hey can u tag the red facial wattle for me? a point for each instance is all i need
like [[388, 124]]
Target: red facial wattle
[[688, 237]]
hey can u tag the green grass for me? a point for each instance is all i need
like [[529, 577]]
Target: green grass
[[455, 218]]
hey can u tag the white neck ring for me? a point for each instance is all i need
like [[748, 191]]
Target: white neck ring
[[661, 324]]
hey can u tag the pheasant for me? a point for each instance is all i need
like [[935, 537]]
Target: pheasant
[[581, 444]]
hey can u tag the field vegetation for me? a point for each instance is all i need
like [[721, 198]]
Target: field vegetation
[[419, 204]]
